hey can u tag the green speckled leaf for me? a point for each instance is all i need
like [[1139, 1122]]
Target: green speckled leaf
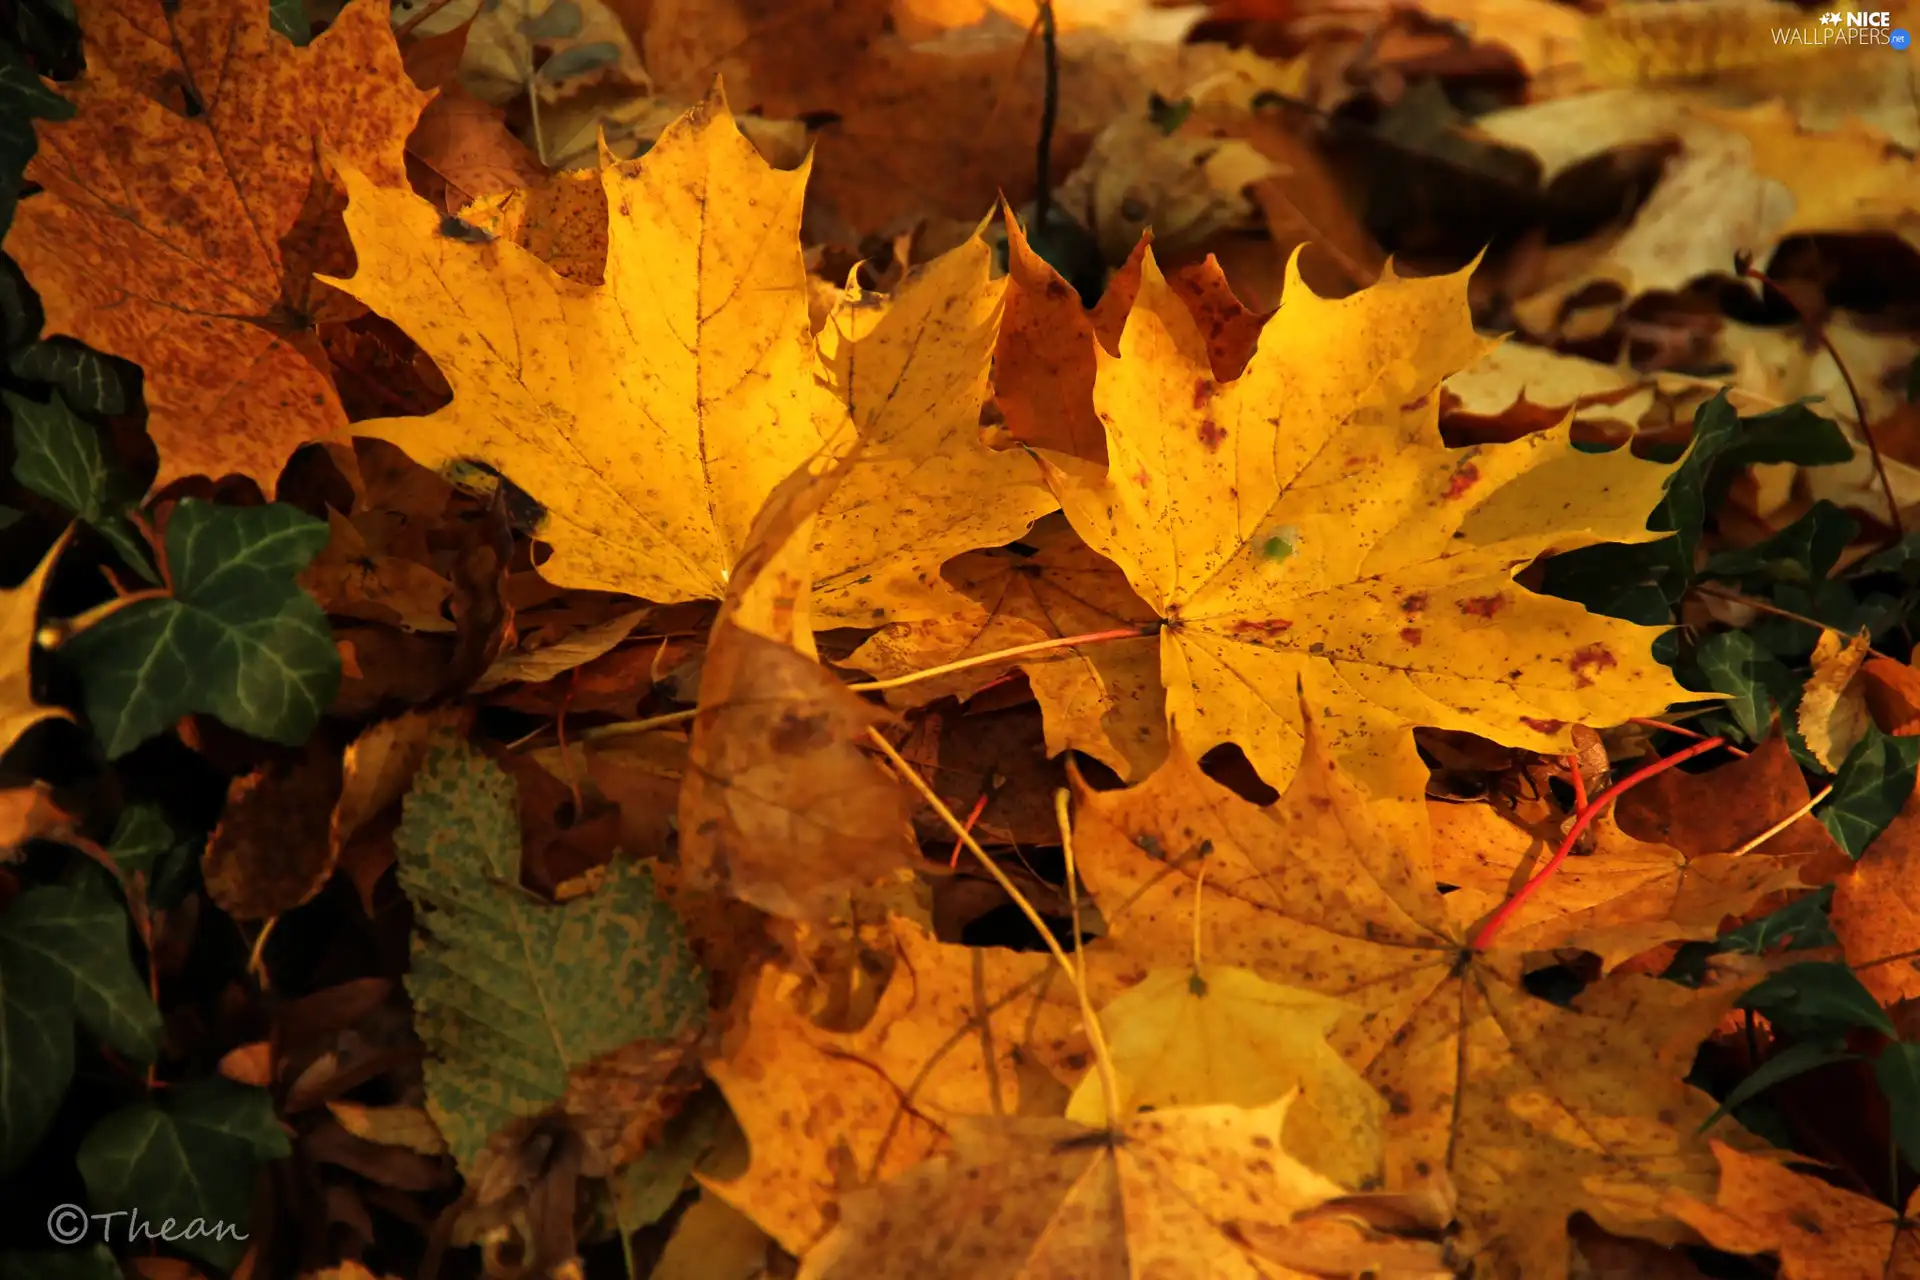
[[237, 639], [511, 993]]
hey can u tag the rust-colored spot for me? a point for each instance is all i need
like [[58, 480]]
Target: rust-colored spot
[[1414, 603], [1410, 635], [1463, 479], [1056, 288], [1543, 726], [1202, 392], [1211, 434], [1585, 662], [1806, 1224], [1482, 606], [1141, 478], [1261, 626], [1411, 405]]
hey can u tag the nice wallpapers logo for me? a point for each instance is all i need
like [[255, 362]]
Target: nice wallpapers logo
[[1844, 30]]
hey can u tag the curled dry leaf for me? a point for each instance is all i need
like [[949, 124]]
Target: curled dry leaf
[[562, 656], [781, 806], [272, 850], [1833, 710], [185, 238]]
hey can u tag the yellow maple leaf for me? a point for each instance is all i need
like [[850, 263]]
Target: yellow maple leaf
[[1536, 1111], [1852, 179], [1303, 524], [1623, 897], [1102, 699], [184, 237], [652, 415], [1819, 1231], [19, 608], [1219, 1034], [958, 1031], [1194, 1191]]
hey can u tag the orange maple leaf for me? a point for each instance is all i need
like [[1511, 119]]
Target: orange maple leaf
[[184, 213]]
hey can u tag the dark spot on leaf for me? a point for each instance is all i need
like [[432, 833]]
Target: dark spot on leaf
[[456, 228], [1202, 392], [1586, 661], [1261, 626], [1806, 1224], [1543, 726], [1463, 479], [1482, 606], [1410, 635], [1211, 434], [1414, 603], [796, 733]]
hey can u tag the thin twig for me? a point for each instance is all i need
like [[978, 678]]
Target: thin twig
[[1683, 731], [1049, 112], [1094, 1032], [1580, 823], [625, 727], [1784, 823], [1767, 606]]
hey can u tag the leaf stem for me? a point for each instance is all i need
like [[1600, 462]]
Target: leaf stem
[[1017, 651], [1767, 606], [1584, 819], [1049, 113], [1819, 331], [1094, 1032], [1784, 823], [624, 727], [1682, 730]]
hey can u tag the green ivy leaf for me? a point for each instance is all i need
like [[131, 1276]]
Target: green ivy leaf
[[237, 639], [23, 99], [83, 929], [84, 376], [1796, 1060], [92, 1262], [192, 1154], [1804, 551], [59, 457], [1898, 1074], [144, 842], [510, 994], [1758, 682], [1873, 784], [1791, 433], [289, 18], [36, 1038], [1817, 1000], [1800, 925]]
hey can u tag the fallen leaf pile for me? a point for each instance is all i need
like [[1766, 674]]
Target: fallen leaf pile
[[922, 637]]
